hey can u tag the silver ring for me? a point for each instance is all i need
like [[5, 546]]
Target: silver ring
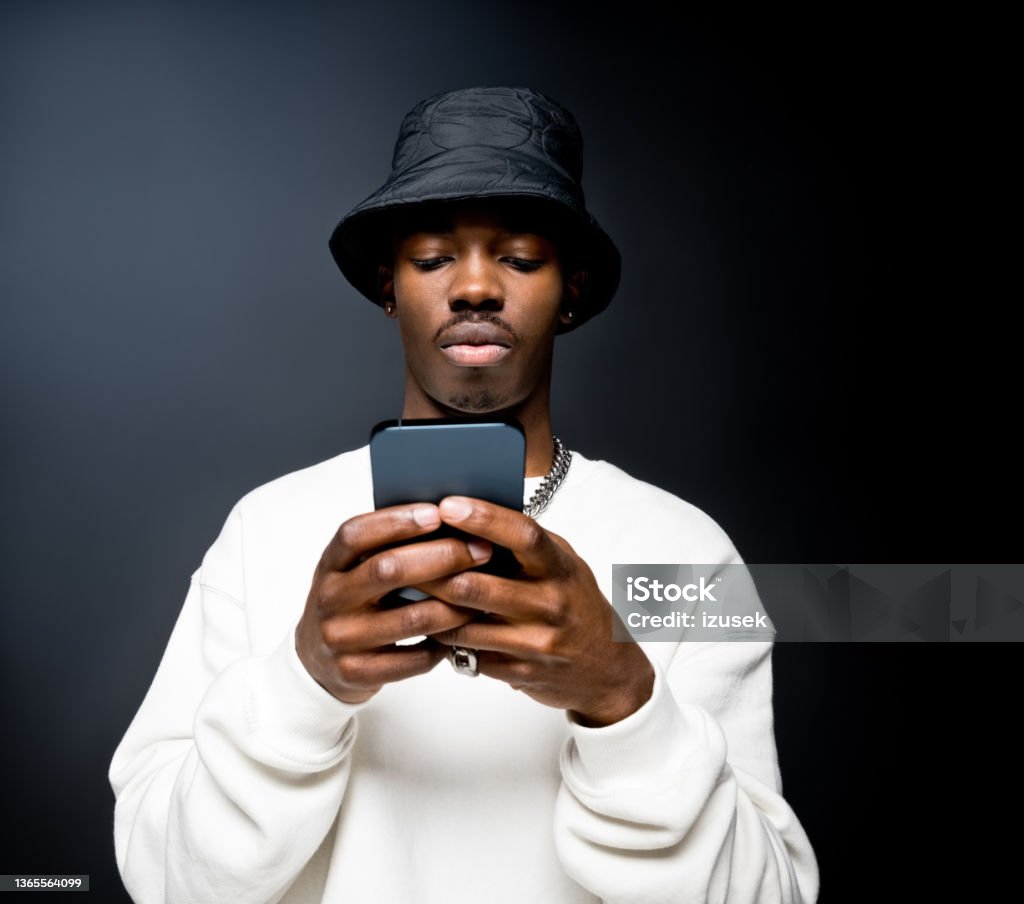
[[464, 661]]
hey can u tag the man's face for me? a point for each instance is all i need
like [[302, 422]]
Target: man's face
[[478, 298]]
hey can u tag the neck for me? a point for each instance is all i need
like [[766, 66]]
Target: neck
[[540, 450]]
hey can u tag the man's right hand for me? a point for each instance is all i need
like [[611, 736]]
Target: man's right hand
[[345, 642]]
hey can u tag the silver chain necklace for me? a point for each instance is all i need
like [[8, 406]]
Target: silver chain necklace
[[552, 480]]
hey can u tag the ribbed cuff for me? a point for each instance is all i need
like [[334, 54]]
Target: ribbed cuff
[[642, 744], [293, 715]]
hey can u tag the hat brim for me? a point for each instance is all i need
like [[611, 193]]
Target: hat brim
[[361, 241]]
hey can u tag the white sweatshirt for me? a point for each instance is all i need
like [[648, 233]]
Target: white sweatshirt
[[242, 780]]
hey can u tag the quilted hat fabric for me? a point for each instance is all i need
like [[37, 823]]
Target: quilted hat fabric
[[486, 142]]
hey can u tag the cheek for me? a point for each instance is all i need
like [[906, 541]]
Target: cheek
[[545, 308], [417, 309], [416, 341]]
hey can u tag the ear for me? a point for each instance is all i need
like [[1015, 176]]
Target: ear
[[386, 289], [573, 297]]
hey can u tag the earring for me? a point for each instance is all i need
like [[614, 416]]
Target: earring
[[570, 314], [389, 308]]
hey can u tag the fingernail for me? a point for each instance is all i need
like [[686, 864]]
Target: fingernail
[[455, 509], [480, 550], [426, 516]]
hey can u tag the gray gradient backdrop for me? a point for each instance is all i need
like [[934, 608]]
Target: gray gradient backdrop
[[174, 333]]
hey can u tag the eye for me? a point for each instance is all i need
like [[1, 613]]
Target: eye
[[524, 264], [428, 263]]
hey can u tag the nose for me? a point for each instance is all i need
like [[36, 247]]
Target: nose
[[476, 284]]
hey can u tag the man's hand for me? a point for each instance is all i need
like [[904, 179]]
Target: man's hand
[[346, 643], [547, 632]]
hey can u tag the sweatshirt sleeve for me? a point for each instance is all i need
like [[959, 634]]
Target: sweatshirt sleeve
[[681, 801], [233, 770]]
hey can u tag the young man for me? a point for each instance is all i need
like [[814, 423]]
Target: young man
[[290, 749]]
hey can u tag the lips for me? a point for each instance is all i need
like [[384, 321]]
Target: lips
[[475, 344]]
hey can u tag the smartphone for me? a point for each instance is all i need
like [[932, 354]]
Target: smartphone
[[424, 460]]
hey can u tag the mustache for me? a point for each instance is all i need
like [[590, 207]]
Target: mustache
[[476, 317]]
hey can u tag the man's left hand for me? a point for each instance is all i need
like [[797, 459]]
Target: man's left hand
[[548, 631]]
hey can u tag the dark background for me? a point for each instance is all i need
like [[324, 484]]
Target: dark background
[[804, 345]]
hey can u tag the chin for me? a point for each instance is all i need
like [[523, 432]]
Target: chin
[[477, 401]]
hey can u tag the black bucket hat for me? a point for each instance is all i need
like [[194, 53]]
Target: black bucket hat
[[488, 142]]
